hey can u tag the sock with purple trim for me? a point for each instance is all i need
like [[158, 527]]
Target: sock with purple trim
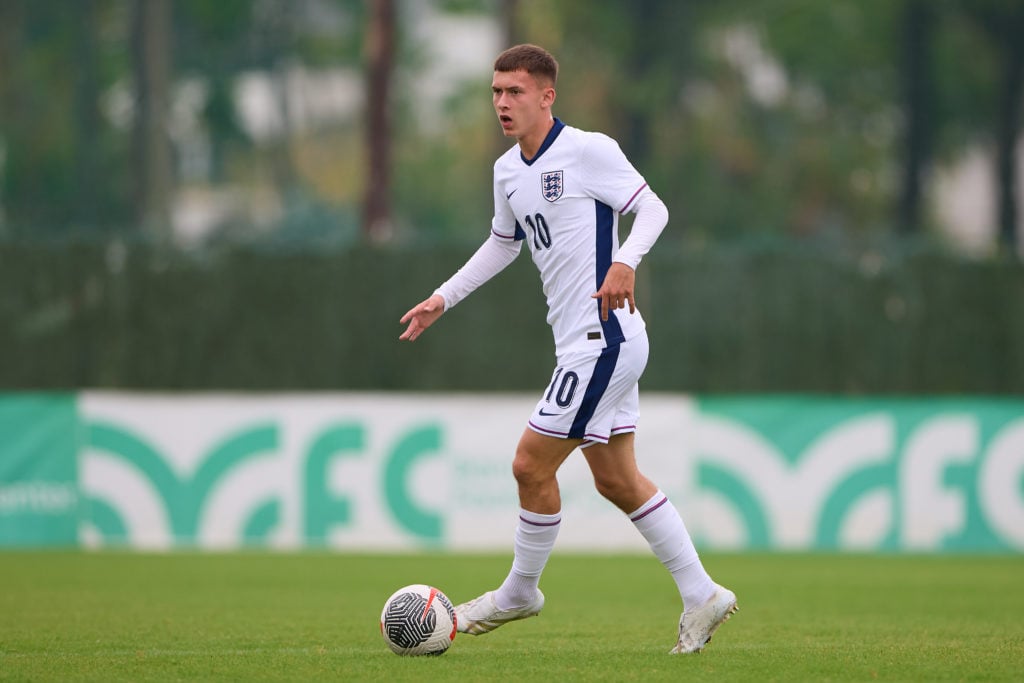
[[534, 540], [660, 523]]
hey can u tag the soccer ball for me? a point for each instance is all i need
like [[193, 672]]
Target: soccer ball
[[418, 620]]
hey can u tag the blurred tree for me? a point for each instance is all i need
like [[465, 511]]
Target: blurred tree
[[1003, 23], [624, 67], [292, 164], [508, 15], [380, 59], [749, 117], [213, 41], [916, 72], [840, 108], [151, 60], [511, 34], [59, 170], [87, 115]]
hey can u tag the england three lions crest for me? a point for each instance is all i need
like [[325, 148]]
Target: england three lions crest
[[551, 185]]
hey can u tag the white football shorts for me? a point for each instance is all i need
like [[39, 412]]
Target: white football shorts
[[593, 397]]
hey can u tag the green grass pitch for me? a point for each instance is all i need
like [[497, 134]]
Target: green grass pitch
[[314, 617]]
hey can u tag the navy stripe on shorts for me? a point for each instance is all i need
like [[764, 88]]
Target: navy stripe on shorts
[[603, 370]]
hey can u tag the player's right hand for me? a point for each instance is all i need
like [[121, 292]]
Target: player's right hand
[[421, 316]]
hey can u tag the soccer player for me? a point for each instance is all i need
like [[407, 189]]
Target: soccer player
[[561, 191]]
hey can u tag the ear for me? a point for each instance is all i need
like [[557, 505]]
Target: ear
[[548, 98]]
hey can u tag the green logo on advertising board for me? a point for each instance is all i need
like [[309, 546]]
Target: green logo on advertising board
[[324, 510], [186, 499], [762, 472], [183, 498], [38, 478], [914, 475]]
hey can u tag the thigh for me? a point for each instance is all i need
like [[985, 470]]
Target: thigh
[[615, 460], [536, 464], [543, 454]]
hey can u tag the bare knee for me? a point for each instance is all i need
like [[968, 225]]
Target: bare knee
[[537, 482], [534, 467], [530, 471], [626, 490], [614, 488], [522, 469]]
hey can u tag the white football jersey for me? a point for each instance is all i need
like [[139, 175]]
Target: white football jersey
[[565, 204]]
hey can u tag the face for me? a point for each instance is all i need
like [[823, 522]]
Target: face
[[522, 104]]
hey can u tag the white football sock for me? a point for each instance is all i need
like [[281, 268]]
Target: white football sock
[[660, 523], [534, 540]]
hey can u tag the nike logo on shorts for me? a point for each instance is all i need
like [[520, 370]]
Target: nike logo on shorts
[[541, 412]]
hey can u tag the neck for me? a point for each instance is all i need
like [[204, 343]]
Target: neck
[[529, 144]]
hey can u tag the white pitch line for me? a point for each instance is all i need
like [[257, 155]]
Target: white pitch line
[[180, 653]]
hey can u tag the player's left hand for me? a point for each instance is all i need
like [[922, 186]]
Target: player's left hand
[[617, 289]]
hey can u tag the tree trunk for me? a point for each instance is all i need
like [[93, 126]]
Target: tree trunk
[[86, 116], [509, 16], [11, 31], [1004, 25], [380, 53], [1007, 135], [152, 150], [917, 29]]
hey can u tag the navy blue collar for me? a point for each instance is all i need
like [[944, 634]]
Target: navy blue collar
[[548, 141]]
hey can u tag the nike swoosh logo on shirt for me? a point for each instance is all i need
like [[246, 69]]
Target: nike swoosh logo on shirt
[[509, 195], [547, 414]]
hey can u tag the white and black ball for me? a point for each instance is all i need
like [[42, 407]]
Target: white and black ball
[[418, 620]]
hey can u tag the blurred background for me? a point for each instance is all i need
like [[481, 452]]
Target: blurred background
[[213, 215], [248, 194]]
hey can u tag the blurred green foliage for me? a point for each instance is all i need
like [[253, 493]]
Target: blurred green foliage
[[749, 117]]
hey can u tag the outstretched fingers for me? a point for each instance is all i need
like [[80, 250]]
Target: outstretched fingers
[[420, 317]]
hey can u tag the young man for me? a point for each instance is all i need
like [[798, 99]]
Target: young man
[[561, 191]]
